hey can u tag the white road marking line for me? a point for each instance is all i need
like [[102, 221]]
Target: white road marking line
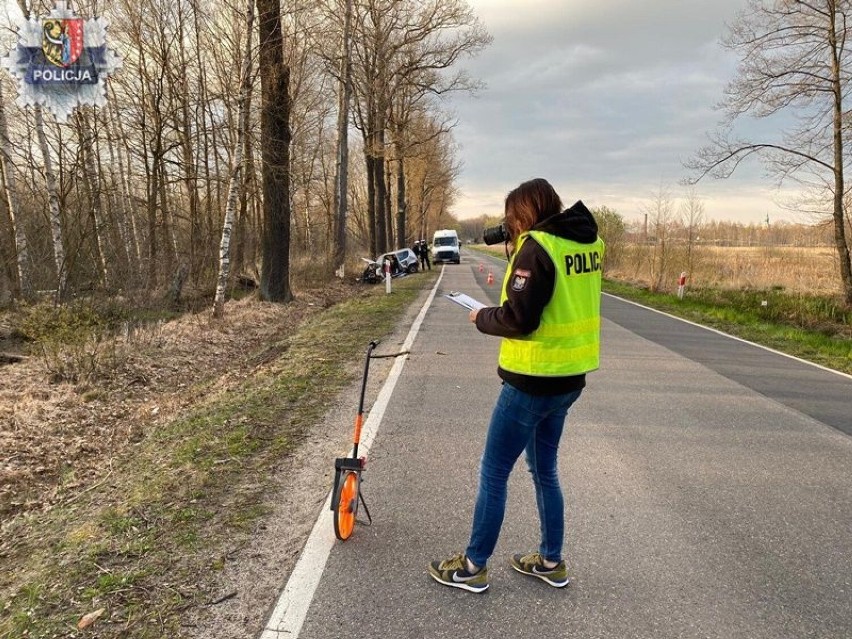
[[292, 606], [734, 337]]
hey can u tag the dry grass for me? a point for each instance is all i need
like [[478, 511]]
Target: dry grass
[[55, 438], [793, 269]]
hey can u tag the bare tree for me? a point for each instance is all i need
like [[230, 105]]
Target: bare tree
[[661, 217], [431, 176], [444, 33], [403, 51], [52, 192], [692, 217], [236, 171], [180, 86], [55, 212], [311, 145], [122, 198], [341, 182], [793, 56], [91, 180], [7, 166]]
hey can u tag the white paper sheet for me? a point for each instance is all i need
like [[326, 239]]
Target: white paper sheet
[[464, 300]]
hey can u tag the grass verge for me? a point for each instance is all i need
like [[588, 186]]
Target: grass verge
[[138, 544], [812, 328]]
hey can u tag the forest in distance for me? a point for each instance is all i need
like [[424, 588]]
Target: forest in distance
[[233, 111]]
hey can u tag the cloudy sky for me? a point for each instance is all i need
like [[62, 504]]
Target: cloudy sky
[[604, 99]]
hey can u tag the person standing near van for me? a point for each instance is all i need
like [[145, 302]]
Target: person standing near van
[[549, 319], [424, 256]]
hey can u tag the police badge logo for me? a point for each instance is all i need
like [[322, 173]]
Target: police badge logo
[[61, 61], [519, 279]]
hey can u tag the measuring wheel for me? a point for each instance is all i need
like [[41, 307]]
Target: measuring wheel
[[345, 503], [346, 494]]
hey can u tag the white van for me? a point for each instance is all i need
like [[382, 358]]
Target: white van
[[445, 246]]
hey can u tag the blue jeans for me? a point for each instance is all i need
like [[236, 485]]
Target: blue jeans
[[521, 422]]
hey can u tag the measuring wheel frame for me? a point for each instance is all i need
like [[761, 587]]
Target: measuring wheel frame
[[346, 495]]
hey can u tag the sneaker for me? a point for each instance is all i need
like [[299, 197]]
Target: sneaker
[[453, 572], [533, 565]]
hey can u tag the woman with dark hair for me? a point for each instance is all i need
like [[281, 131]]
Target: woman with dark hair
[[549, 319]]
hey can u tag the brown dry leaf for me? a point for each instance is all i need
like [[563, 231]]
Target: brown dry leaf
[[89, 619]]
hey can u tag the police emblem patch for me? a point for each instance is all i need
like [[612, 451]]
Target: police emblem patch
[[61, 61], [520, 278]]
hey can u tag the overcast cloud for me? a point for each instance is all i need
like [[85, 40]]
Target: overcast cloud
[[606, 100]]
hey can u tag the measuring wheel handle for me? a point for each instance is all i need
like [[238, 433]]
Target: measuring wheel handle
[[350, 463]]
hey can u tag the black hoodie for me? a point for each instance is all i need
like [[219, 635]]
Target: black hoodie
[[535, 273]]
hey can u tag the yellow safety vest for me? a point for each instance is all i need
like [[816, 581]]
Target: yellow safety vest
[[567, 341]]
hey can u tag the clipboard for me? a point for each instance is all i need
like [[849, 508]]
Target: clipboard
[[465, 301]]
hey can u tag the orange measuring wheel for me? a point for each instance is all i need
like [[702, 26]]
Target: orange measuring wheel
[[346, 494], [347, 505]]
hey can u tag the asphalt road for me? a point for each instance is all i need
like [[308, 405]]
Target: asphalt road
[[707, 482]]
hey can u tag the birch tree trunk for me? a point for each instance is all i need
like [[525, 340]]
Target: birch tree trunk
[[341, 181], [93, 183], [9, 180], [121, 201], [55, 212], [127, 191], [236, 181]]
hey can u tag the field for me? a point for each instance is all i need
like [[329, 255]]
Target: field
[[787, 298], [792, 269]]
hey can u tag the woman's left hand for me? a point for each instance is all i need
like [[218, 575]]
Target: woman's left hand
[[472, 315]]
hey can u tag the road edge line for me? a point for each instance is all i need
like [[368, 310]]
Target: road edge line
[[293, 602], [734, 337]]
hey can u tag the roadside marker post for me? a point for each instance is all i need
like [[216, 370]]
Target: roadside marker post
[[681, 285], [387, 276]]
